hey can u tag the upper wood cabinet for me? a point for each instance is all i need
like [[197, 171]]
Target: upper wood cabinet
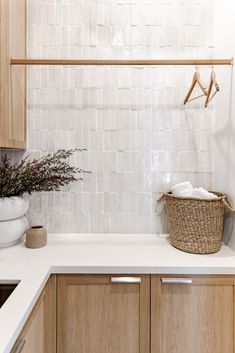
[[195, 317], [39, 333], [103, 314], [12, 78]]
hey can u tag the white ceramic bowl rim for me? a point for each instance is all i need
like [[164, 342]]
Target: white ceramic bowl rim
[[13, 207]]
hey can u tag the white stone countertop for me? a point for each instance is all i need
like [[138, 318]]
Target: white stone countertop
[[92, 253]]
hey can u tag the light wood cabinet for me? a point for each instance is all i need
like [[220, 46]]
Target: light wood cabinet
[[195, 317], [39, 333], [132, 314], [12, 78], [103, 314]]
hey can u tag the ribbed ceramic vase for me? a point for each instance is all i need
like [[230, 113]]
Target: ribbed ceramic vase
[[13, 222], [36, 237]]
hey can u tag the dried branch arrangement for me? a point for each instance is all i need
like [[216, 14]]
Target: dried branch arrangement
[[47, 173]]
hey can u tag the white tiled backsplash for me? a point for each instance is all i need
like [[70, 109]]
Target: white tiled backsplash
[[140, 138]]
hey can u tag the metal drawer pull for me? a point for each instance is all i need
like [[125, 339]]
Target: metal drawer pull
[[125, 280], [18, 346], [177, 280]]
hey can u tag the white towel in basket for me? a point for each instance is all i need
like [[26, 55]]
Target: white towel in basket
[[201, 193], [186, 189]]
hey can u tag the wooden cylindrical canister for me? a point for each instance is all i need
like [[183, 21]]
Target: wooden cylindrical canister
[[36, 237]]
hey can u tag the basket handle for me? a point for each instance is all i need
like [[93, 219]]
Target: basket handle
[[227, 203], [224, 199], [161, 197]]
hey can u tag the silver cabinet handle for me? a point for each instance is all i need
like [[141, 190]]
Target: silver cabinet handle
[[18, 346], [125, 279], [176, 280]]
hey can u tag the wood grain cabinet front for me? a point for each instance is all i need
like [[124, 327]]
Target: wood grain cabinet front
[[39, 333], [103, 314], [192, 314], [13, 26], [132, 314]]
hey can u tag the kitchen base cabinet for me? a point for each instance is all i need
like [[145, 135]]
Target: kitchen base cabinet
[[103, 314], [39, 333], [132, 314], [192, 314]]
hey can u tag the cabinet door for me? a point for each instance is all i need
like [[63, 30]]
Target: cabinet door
[[193, 314], [13, 15], [39, 333], [33, 337], [103, 314]]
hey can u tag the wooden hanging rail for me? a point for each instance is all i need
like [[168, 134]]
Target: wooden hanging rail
[[195, 62]]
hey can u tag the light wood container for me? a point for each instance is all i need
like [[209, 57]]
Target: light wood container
[[36, 237]]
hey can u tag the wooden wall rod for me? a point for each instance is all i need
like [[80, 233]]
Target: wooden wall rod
[[195, 62]]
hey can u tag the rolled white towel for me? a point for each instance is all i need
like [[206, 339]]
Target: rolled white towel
[[184, 189], [203, 194]]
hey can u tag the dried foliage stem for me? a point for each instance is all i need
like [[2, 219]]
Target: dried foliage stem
[[47, 173]]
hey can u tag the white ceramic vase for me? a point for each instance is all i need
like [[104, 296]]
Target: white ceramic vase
[[13, 223]]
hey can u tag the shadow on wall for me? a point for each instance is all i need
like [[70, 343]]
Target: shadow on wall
[[228, 227], [224, 140]]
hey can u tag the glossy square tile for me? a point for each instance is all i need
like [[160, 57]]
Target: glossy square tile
[[140, 138]]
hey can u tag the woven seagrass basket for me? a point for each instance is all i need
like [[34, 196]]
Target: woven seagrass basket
[[196, 225]]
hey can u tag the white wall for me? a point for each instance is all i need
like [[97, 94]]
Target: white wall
[[224, 179], [140, 138]]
